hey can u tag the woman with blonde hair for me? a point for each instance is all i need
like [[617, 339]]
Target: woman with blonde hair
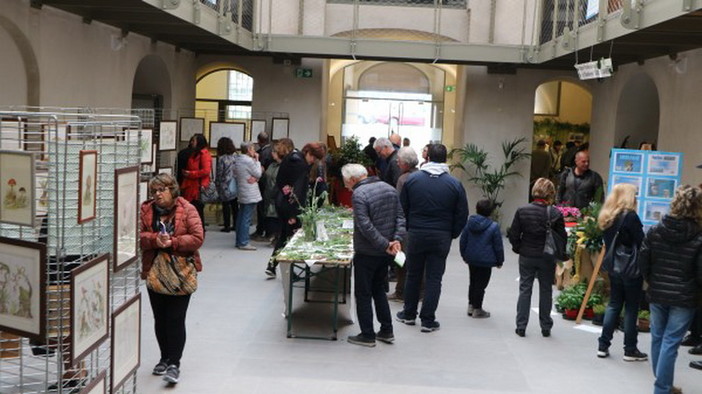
[[528, 237], [618, 216], [671, 263]]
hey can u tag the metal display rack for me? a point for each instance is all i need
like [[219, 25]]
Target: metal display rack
[[56, 136]]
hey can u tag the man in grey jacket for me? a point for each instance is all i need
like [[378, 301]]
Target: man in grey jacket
[[379, 226]]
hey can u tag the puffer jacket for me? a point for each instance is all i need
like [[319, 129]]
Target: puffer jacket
[[246, 167], [293, 173], [481, 242], [671, 262], [377, 217], [187, 237], [528, 231], [199, 167], [225, 179], [631, 233]]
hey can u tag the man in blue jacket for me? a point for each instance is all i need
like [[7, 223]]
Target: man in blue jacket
[[378, 229], [436, 209]]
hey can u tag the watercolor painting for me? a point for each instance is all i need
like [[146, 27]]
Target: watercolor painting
[[87, 197], [191, 126], [89, 306], [17, 188], [125, 224], [126, 341], [167, 135], [236, 131], [280, 128]]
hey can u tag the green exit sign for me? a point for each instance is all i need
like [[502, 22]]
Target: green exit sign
[[303, 73], [450, 88]]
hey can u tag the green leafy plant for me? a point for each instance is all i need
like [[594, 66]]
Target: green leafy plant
[[599, 309], [350, 151], [586, 231], [569, 300], [310, 213], [644, 314], [489, 178]]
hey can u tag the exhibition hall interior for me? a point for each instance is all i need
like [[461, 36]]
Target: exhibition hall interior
[[105, 105]]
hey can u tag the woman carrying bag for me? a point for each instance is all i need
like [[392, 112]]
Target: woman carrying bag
[[170, 235], [226, 182], [622, 228], [196, 174]]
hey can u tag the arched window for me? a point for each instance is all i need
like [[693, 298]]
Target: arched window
[[225, 95]]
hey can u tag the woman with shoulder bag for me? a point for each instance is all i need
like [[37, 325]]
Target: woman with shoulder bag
[[528, 238], [248, 172], [622, 228], [170, 235], [225, 179]]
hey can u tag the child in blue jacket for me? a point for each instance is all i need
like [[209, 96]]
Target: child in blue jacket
[[481, 249]]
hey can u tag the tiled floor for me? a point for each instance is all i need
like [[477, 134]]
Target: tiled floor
[[237, 343]]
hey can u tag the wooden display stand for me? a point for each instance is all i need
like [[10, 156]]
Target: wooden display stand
[[10, 345], [591, 284]]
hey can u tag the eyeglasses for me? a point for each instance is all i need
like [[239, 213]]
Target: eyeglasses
[[159, 190]]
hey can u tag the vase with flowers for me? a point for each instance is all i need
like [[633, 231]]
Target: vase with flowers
[[309, 213]]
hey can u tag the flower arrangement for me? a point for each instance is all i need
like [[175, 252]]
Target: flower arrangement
[[570, 214], [586, 233]]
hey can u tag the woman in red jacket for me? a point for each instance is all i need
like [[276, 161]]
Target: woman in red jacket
[[172, 225], [196, 173]]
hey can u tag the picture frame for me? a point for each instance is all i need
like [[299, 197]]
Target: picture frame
[[257, 126], [126, 342], [87, 181], [661, 188], [166, 170], [632, 180], [17, 187], [629, 162], [41, 180], [663, 164], [125, 219], [655, 210], [90, 306], [25, 262], [234, 130], [168, 135], [145, 139], [280, 128], [11, 132], [191, 126], [96, 386]]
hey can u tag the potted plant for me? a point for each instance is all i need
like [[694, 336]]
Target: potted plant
[[595, 299], [349, 152], [599, 311], [644, 323], [570, 300]]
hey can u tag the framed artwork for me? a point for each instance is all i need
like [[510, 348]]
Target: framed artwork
[[145, 141], [167, 135], [280, 128], [87, 197], [166, 170], [90, 306], [661, 188], [628, 162], [632, 180], [97, 385], [23, 287], [191, 126], [143, 191], [126, 341], [125, 222], [11, 131], [17, 187], [663, 164], [257, 126], [41, 179], [58, 134], [234, 130]]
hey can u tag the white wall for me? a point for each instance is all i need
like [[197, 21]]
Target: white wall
[[13, 77]]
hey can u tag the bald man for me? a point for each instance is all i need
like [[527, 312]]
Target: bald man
[[579, 185]]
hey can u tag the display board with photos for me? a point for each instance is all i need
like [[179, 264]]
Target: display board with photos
[[655, 174], [236, 131]]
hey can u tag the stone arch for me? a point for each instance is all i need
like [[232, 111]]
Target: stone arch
[[209, 68], [152, 77], [638, 112], [29, 60]]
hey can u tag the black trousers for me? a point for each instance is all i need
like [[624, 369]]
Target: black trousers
[[370, 274], [229, 211], [169, 324], [200, 206], [479, 279], [286, 232]]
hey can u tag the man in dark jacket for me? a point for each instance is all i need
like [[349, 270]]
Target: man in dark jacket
[[379, 226], [387, 152], [578, 186], [265, 157], [436, 209]]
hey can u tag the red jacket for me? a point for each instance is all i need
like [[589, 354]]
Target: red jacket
[[199, 168], [187, 238]]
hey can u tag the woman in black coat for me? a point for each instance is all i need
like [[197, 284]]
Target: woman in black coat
[[528, 237]]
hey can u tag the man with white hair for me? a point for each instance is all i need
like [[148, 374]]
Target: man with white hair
[[378, 229], [387, 152]]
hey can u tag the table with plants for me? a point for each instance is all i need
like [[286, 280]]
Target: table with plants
[[318, 259]]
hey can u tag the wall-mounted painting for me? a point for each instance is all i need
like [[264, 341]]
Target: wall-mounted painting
[[168, 135], [90, 296], [191, 126], [166, 170], [257, 126], [280, 128], [22, 287], [236, 131], [145, 142], [125, 222], [97, 386], [17, 187], [126, 341], [87, 196]]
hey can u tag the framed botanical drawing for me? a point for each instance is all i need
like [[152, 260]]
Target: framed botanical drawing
[[87, 197], [168, 135], [257, 126], [280, 128], [41, 179], [236, 131], [126, 341], [23, 287], [17, 187], [11, 132], [90, 306], [97, 386], [125, 222], [191, 126], [145, 143], [166, 170]]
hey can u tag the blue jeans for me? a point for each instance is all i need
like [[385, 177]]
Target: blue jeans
[[370, 274], [668, 326], [626, 293], [243, 223], [426, 256], [543, 269]]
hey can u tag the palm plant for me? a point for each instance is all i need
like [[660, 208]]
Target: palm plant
[[491, 180]]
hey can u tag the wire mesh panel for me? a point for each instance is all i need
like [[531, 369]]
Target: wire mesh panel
[[56, 142]]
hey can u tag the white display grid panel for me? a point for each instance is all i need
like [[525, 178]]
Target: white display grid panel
[[69, 244]]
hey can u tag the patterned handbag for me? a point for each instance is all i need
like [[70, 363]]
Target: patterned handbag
[[172, 275]]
